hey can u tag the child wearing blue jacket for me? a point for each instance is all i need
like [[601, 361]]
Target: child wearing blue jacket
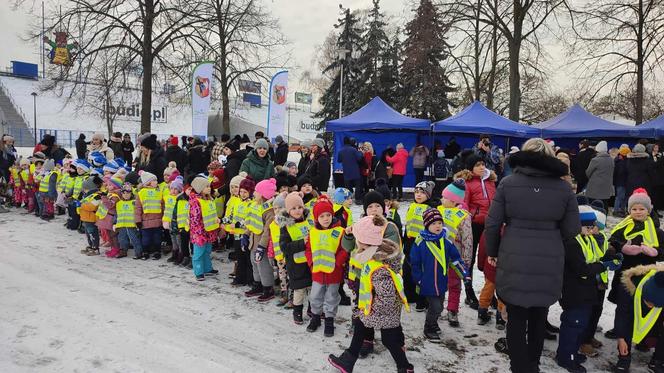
[[430, 257]]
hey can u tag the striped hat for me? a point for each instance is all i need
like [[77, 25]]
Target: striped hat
[[82, 164], [430, 216], [455, 192], [587, 215]]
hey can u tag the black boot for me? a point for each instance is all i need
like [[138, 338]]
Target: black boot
[[500, 323], [483, 316], [297, 314], [622, 366], [329, 327], [268, 294], [345, 362], [256, 290], [314, 324], [408, 369], [552, 329], [366, 349], [345, 300], [185, 261], [471, 299]]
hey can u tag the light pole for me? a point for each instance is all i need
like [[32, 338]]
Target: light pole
[[34, 109], [342, 58]]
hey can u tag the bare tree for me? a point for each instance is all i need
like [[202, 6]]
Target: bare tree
[[624, 104], [621, 46]]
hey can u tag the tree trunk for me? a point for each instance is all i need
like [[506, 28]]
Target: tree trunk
[[148, 58], [477, 51], [514, 46], [491, 89], [638, 104], [223, 71]]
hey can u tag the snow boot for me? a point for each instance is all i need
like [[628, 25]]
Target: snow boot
[[256, 290], [113, 253], [432, 335], [145, 256], [185, 261], [314, 324], [122, 254], [572, 366], [329, 327], [345, 300], [85, 251], [200, 278], [453, 319], [501, 346], [268, 294], [283, 299], [156, 256], [471, 299], [366, 349], [588, 350], [93, 252], [622, 366], [297, 314], [344, 362], [212, 272], [655, 366], [408, 369], [500, 323], [483, 316]]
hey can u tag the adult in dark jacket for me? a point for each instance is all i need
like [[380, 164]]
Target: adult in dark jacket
[[304, 160], [281, 154], [350, 159], [452, 148], [640, 171], [177, 154], [257, 164], [620, 180], [115, 143], [81, 146], [152, 158], [580, 164], [540, 212], [127, 148], [658, 157], [318, 168], [198, 158], [600, 175]]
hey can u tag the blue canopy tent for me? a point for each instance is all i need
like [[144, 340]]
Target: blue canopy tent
[[656, 125], [577, 123], [382, 126]]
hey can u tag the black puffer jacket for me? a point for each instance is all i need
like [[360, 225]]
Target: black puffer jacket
[[179, 156], [281, 154], [199, 159], [640, 173], [318, 170], [156, 164], [580, 285], [539, 211], [299, 275]]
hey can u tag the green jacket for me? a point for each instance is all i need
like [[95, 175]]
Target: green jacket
[[258, 168]]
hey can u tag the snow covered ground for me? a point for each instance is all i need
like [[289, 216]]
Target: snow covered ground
[[65, 312]]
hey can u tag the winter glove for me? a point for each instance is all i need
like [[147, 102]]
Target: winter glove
[[166, 225], [614, 264], [629, 249], [260, 253], [225, 220], [650, 251], [244, 242]]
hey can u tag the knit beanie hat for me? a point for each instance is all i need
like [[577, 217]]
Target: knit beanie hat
[[600, 213], [587, 215], [602, 147], [653, 290], [82, 164], [471, 161], [293, 199], [382, 188], [283, 180], [26, 162], [91, 183], [369, 230], [280, 201], [249, 185], [639, 148], [200, 183], [172, 166], [262, 143], [455, 192], [426, 187], [49, 165], [373, 197], [214, 165], [236, 180], [430, 216], [112, 183], [340, 195], [320, 143], [147, 177], [304, 179], [323, 204], [97, 159], [177, 183], [150, 142], [174, 141], [174, 174], [624, 150], [111, 166], [267, 188], [121, 174], [132, 178], [639, 196], [232, 145]]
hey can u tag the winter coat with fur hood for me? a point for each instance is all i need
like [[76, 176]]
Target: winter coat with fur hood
[[625, 308], [539, 211], [479, 193], [641, 173], [299, 275]]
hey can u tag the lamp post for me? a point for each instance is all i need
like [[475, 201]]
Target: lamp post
[[342, 58], [34, 109]]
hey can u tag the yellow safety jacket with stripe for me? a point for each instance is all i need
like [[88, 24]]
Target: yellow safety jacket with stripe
[[593, 252], [275, 235], [452, 218], [43, 187], [102, 211], [125, 214], [336, 209], [297, 232], [169, 205], [150, 200], [254, 219], [209, 212], [66, 184], [643, 324], [77, 186], [16, 174], [25, 176], [324, 244], [437, 252], [228, 214], [182, 211], [365, 299], [649, 233], [239, 215], [414, 221], [220, 203]]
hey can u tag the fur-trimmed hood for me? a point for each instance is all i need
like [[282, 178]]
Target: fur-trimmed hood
[[467, 175], [537, 164], [638, 155], [629, 280], [284, 219]]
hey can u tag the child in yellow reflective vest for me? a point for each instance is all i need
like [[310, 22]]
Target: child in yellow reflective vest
[[381, 295], [181, 223], [48, 190], [309, 195], [24, 175], [203, 227], [125, 222], [107, 214], [149, 211], [244, 270], [431, 257], [15, 183], [342, 199], [34, 202], [586, 264], [279, 206], [87, 209], [327, 260], [292, 237], [74, 194], [640, 241], [227, 221], [171, 220]]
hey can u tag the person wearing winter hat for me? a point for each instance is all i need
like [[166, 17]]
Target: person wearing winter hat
[[600, 174], [381, 295], [259, 218], [639, 240], [244, 269], [431, 255], [87, 209], [291, 168], [342, 199], [47, 192], [227, 221], [294, 230], [641, 171], [309, 194], [107, 215], [279, 206], [73, 193], [480, 190], [168, 171], [257, 163], [458, 229], [125, 224], [170, 218], [148, 214], [285, 182], [327, 260], [203, 227], [110, 167]]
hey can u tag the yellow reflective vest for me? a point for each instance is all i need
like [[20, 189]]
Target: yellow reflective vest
[[43, 187], [239, 215], [221, 204], [437, 252], [649, 233], [643, 324], [182, 211], [324, 245], [150, 200], [16, 174], [452, 218], [169, 205], [593, 252], [297, 232], [414, 222], [228, 214], [275, 235], [102, 211], [365, 299], [336, 209], [125, 214], [77, 186], [209, 211], [254, 220]]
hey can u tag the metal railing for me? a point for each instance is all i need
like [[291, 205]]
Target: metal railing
[[18, 109]]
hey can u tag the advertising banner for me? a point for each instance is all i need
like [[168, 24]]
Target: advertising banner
[[201, 80], [276, 111]]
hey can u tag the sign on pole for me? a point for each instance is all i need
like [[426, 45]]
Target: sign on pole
[[276, 111], [201, 81]]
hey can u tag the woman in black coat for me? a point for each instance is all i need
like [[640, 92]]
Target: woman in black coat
[[199, 158], [539, 211], [152, 158], [318, 169], [81, 146], [640, 171]]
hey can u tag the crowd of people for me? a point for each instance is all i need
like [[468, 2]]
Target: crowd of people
[[532, 220]]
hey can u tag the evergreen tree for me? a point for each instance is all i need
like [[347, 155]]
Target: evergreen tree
[[391, 90], [350, 39], [425, 81], [375, 47]]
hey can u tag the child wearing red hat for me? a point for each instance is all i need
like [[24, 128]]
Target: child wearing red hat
[[326, 259]]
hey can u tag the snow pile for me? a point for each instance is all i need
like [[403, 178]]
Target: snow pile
[[63, 311]]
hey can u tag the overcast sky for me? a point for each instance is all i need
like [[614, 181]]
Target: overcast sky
[[305, 23]]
